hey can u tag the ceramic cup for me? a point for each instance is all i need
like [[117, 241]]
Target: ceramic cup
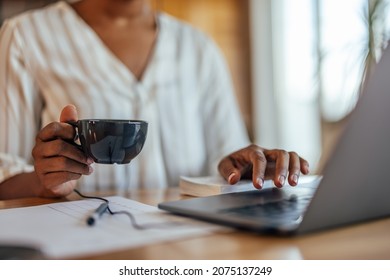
[[111, 141]]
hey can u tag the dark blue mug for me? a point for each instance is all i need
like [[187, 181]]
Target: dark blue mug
[[111, 141]]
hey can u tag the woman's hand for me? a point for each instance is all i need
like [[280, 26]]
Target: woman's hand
[[260, 164], [58, 163]]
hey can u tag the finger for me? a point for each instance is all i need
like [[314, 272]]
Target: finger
[[55, 181], [294, 169], [228, 169], [270, 170], [69, 113], [65, 188], [62, 164], [259, 166], [305, 168], [281, 159], [56, 130], [59, 147]]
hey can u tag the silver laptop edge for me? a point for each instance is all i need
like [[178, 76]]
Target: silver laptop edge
[[355, 184]]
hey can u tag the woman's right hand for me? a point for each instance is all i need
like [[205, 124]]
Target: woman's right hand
[[58, 164]]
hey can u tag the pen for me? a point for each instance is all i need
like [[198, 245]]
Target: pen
[[97, 213]]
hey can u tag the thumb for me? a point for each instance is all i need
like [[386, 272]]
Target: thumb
[[229, 171], [69, 113]]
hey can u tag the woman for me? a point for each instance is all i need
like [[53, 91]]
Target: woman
[[119, 59]]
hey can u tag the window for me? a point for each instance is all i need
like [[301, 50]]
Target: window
[[309, 58]]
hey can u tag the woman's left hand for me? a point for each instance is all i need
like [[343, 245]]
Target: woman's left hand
[[261, 164]]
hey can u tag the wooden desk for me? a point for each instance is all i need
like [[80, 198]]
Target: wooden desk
[[369, 240]]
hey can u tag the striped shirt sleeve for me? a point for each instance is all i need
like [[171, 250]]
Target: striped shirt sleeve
[[18, 102]]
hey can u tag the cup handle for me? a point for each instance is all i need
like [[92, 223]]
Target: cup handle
[[76, 135]]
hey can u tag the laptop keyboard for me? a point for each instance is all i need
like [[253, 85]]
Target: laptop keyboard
[[291, 208]]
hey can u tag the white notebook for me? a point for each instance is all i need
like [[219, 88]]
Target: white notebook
[[214, 185], [211, 185]]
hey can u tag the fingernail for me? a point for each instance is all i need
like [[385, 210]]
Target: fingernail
[[282, 179], [89, 160], [90, 169], [260, 182], [231, 177], [295, 178]]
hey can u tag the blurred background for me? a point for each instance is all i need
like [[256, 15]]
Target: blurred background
[[297, 66]]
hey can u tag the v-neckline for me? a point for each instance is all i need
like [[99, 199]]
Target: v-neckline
[[121, 65]]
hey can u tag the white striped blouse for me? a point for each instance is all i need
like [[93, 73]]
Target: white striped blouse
[[51, 57]]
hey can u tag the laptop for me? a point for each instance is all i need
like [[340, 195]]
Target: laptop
[[354, 187]]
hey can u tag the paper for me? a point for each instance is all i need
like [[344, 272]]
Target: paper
[[60, 229]]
